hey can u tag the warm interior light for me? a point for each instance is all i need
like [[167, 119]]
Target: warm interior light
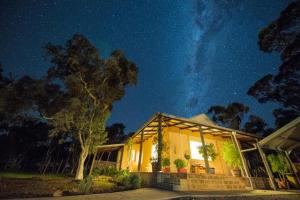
[[194, 145], [133, 155], [154, 151]]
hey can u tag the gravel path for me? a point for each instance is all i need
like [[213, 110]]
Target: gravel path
[[153, 194]]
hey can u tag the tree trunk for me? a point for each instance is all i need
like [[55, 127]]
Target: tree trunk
[[80, 165]]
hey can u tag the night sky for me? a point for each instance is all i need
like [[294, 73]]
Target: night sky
[[190, 54]]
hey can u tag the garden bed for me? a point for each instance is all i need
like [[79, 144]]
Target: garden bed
[[35, 185]]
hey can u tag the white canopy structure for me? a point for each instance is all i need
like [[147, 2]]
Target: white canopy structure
[[286, 138]]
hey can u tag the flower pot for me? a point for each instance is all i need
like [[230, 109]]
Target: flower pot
[[182, 170], [212, 170], [154, 166], [236, 172], [166, 169], [282, 184]]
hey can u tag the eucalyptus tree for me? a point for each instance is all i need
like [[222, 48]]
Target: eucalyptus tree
[[283, 36], [86, 86], [229, 116]]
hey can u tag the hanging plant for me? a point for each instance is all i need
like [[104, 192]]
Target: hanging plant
[[187, 156]]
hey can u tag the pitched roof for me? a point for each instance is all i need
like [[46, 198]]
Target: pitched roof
[[203, 118], [193, 124]]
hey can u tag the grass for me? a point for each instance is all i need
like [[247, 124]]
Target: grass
[[24, 175]]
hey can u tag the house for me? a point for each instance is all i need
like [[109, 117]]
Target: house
[[180, 139], [172, 137]]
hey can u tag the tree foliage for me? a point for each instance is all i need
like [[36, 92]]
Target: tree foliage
[[257, 125], [282, 36], [89, 87], [229, 116], [116, 134], [73, 100]]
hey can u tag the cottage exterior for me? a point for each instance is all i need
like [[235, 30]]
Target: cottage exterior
[[180, 138]]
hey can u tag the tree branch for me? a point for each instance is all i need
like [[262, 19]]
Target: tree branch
[[85, 86]]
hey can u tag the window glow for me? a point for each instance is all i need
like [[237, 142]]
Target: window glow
[[154, 151], [194, 145], [132, 155]]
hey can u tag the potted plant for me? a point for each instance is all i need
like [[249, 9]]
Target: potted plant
[[280, 166], [154, 164], [180, 165], [166, 165], [232, 157], [211, 154]]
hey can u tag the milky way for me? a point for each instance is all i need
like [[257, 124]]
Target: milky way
[[190, 54], [227, 60]]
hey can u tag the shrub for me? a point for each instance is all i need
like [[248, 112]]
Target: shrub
[[135, 181], [111, 171], [97, 172], [179, 163], [123, 178], [165, 162], [85, 185], [107, 171], [231, 155], [103, 184]]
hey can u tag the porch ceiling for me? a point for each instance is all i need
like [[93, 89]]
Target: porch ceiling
[[286, 138], [151, 128], [109, 147]]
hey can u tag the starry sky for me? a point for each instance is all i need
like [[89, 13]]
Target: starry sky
[[191, 54]]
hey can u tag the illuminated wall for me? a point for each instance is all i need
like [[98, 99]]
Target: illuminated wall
[[177, 143]]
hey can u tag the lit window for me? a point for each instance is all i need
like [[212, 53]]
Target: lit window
[[154, 151], [133, 155], [137, 155], [194, 145]]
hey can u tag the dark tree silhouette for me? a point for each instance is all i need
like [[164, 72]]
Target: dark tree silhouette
[[24, 146], [115, 133], [23, 135], [229, 116], [257, 125], [283, 88]]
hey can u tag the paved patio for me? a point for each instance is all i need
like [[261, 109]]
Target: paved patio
[[151, 193]]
